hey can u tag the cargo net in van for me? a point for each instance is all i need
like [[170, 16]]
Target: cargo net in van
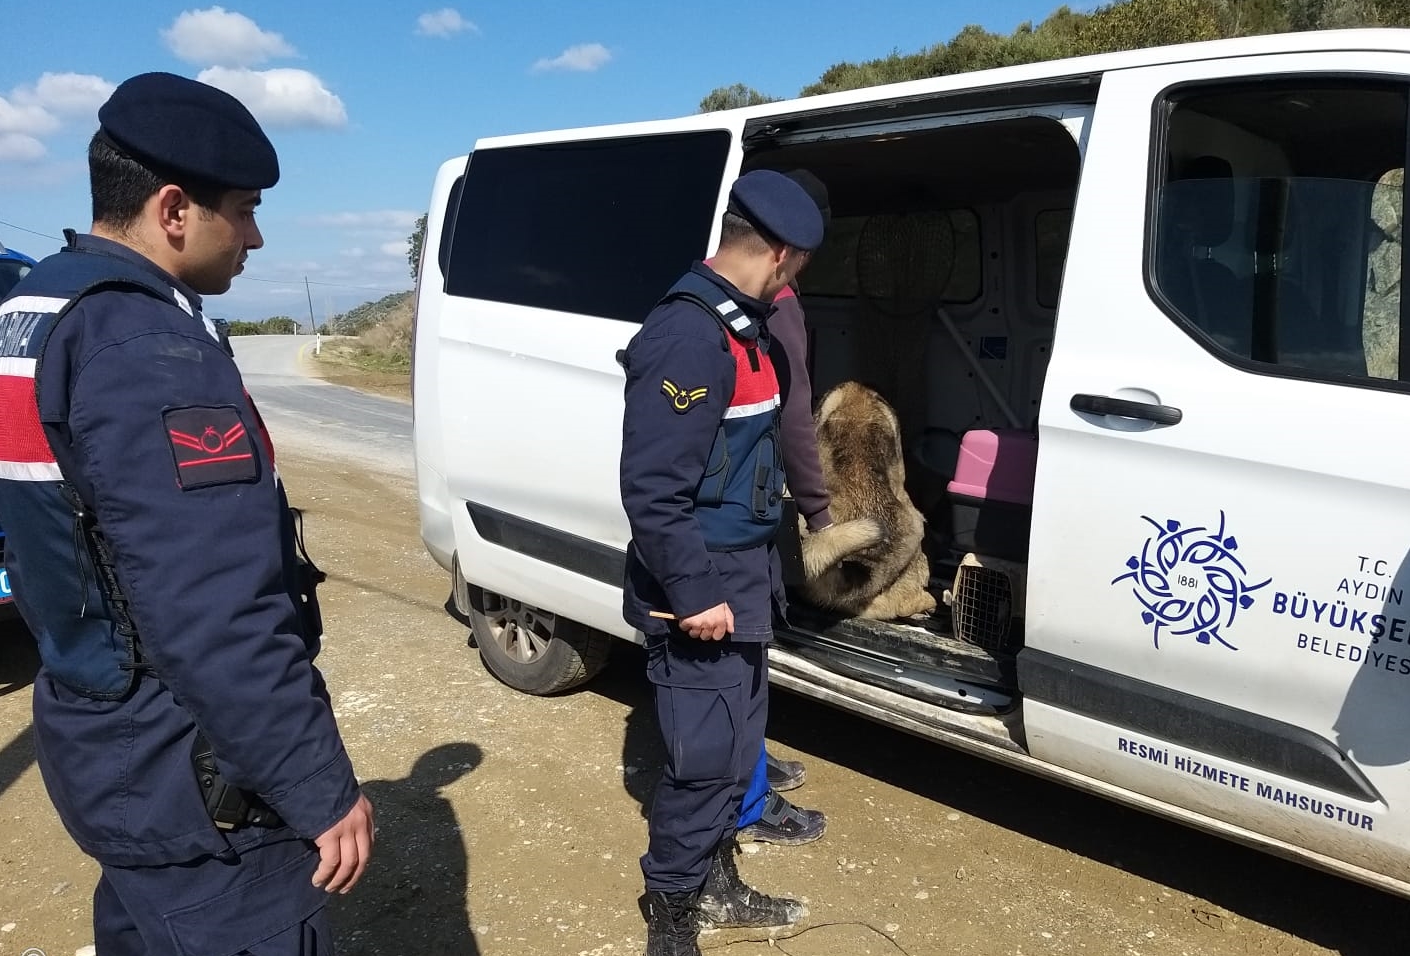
[[986, 603]]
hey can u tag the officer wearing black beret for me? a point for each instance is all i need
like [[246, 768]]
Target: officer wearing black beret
[[702, 486], [182, 730]]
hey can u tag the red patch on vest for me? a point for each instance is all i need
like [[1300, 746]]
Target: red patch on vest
[[210, 445], [751, 385], [21, 435]]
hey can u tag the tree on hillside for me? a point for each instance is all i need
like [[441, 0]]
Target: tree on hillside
[[1123, 25], [973, 48], [280, 325], [414, 243], [1393, 13], [359, 319], [733, 97], [893, 68], [1144, 23], [1335, 14], [1242, 18], [274, 325]]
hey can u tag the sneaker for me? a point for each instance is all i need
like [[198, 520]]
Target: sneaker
[[784, 774], [784, 824]]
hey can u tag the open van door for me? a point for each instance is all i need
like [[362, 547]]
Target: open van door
[[1221, 533]]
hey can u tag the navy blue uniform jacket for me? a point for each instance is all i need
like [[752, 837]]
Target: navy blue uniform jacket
[[687, 385], [147, 416]]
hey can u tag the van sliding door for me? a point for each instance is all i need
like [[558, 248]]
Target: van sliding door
[[1221, 537]]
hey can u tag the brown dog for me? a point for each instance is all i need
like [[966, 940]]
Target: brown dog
[[869, 563]]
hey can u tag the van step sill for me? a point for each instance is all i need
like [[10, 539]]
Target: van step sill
[[993, 733], [941, 689], [929, 646]]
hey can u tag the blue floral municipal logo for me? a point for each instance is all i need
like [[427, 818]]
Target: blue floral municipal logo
[[1189, 581]]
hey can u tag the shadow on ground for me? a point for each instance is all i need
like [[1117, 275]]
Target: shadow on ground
[[19, 658], [643, 754], [412, 899], [19, 663]]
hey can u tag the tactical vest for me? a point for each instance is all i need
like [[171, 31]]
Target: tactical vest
[[63, 579], [739, 500]]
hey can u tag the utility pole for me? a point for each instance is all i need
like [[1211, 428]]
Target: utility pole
[[312, 322]]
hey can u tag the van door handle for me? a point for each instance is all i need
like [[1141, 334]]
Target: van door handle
[[1124, 408]]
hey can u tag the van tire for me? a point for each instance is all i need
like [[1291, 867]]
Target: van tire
[[533, 650]]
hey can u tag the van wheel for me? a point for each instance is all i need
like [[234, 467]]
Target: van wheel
[[533, 650]]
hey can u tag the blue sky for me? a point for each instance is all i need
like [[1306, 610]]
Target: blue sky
[[364, 100]]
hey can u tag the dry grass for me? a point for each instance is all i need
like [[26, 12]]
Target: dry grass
[[385, 347]]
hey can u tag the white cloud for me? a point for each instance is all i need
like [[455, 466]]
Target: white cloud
[[585, 57], [281, 97], [19, 148], [30, 121], [216, 37], [443, 23], [36, 110], [66, 94], [356, 252], [397, 248], [375, 219]]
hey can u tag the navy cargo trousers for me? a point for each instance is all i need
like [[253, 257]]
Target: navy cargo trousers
[[712, 703], [259, 901]]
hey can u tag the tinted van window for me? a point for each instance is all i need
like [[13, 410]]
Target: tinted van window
[[598, 227], [1277, 224], [11, 272]]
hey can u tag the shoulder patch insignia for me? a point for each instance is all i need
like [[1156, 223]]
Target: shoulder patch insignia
[[683, 399], [210, 446]]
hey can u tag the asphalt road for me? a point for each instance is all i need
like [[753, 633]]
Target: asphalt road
[[329, 419]]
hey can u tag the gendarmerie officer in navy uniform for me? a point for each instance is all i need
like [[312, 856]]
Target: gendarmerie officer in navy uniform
[[702, 485], [182, 730]]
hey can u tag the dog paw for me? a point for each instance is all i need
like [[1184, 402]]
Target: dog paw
[[925, 606], [876, 530]]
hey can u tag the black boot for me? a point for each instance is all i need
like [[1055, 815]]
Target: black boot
[[727, 900], [672, 927]]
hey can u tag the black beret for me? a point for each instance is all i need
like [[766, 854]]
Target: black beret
[[779, 206], [184, 126]]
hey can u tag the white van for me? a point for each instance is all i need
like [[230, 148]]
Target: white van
[[1176, 272]]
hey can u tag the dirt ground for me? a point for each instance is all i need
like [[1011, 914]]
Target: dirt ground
[[512, 825]]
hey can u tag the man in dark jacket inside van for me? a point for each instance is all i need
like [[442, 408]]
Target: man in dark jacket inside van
[[766, 815], [702, 486]]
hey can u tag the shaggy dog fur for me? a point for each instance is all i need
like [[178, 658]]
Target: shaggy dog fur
[[869, 563]]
